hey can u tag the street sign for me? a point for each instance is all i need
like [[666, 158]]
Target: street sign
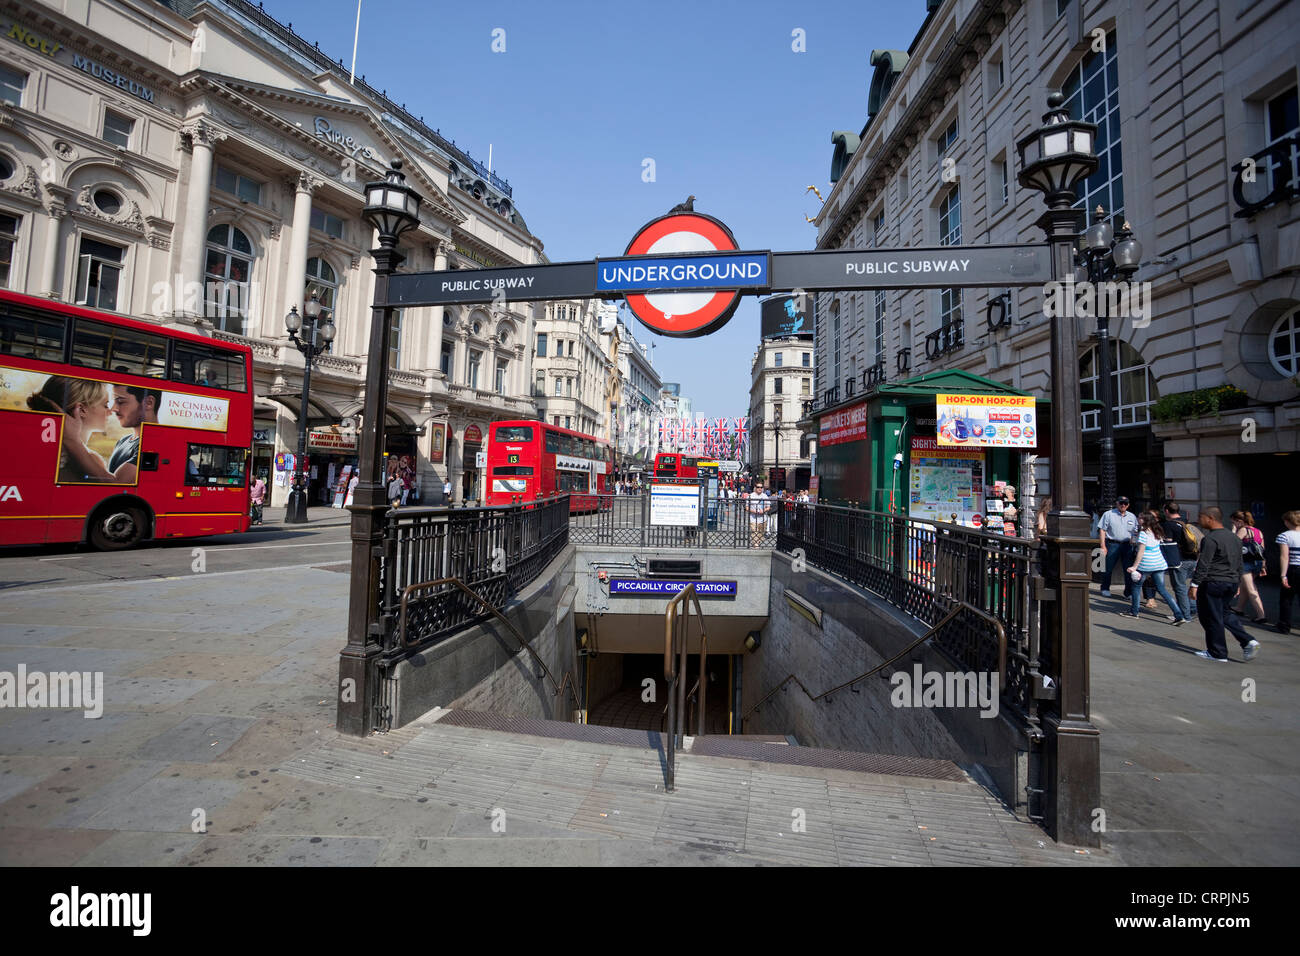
[[541, 283], [687, 314], [655, 587], [697, 272], [920, 268], [729, 466], [480, 459]]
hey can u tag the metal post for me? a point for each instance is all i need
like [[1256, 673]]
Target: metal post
[[296, 510], [358, 670], [1076, 761], [1105, 392]]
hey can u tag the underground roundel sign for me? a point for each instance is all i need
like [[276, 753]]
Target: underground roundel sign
[[685, 314]]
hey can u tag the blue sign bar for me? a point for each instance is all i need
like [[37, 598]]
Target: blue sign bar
[[645, 587], [704, 271]]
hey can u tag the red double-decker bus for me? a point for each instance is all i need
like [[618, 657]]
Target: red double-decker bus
[[527, 460], [117, 431], [676, 466]]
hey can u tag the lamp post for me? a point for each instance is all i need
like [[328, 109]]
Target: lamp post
[[317, 334], [391, 209], [1107, 256], [1053, 160]]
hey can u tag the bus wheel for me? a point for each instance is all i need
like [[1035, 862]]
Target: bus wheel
[[117, 527]]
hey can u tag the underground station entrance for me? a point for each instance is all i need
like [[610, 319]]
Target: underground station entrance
[[872, 639]]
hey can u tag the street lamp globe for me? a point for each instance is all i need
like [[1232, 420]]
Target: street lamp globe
[[312, 307], [327, 330], [1127, 252], [293, 321], [1058, 155], [392, 207]]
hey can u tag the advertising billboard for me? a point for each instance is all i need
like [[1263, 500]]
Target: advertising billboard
[[787, 315], [986, 421]]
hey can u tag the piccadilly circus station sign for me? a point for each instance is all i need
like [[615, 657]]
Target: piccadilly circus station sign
[[683, 274]]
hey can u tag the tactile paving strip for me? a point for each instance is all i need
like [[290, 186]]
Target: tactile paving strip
[[556, 729], [746, 749]]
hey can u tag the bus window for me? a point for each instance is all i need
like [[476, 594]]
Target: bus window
[[31, 335], [118, 349], [198, 364], [553, 444], [215, 465], [515, 433]]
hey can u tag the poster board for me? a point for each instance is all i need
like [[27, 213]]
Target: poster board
[[675, 505], [943, 481]]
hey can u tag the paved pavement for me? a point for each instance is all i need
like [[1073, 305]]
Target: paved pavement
[[219, 711]]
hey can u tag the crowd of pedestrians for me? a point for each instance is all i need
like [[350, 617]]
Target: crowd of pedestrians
[[1214, 569]]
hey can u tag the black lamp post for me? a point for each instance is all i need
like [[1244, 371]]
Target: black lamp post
[[317, 334], [1107, 256], [1053, 160], [391, 209]]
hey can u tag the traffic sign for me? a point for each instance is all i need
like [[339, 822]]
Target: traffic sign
[[688, 314]]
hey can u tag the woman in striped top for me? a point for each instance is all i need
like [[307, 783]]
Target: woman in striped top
[[1150, 565]]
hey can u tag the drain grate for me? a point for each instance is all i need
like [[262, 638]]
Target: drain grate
[[749, 749], [556, 729]]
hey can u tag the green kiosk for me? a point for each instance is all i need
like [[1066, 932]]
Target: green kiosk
[[880, 450]]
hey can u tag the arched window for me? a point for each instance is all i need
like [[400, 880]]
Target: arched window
[[1092, 94], [324, 281], [1284, 344], [226, 279], [1133, 387]]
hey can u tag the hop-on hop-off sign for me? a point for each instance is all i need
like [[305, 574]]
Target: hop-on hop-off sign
[[681, 274]]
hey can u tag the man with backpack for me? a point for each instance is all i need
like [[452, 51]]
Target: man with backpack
[[1188, 538]]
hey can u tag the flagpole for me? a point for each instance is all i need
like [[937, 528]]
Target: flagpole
[[356, 34]]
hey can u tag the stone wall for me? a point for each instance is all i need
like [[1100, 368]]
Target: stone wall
[[859, 631], [484, 668]]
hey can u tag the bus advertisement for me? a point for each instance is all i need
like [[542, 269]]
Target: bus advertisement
[[527, 460], [118, 431]]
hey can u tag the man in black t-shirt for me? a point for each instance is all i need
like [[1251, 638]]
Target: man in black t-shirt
[[1174, 527], [1218, 574]]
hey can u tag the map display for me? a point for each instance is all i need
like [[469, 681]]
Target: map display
[[945, 481]]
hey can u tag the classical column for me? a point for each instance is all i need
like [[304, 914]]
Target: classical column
[[456, 466], [296, 275], [200, 137], [55, 210]]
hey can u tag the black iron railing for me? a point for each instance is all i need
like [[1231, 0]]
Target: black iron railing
[[1269, 177], [927, 569], [629, 521], [495, 552]]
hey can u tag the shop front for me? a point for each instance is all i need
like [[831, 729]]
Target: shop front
[[263, 464], [330, 450], [472, 444]]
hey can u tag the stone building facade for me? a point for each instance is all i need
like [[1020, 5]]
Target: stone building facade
[[201, 165], [1182, 94], [781, 381], [571, 367]]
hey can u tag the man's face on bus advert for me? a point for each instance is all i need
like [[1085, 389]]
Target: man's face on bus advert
[[130, 411]]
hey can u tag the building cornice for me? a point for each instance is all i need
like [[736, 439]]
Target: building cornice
[[934, 94]]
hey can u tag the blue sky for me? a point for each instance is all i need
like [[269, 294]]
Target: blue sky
[[584, 92]]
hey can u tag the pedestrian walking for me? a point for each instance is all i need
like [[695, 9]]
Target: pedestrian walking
[[1289, 544], [1252, 565], [1040, 519], [1218, 571], [757, 503], [1117, 530], [1188, 538], [446, 492], [1150, 565], [256, 498]]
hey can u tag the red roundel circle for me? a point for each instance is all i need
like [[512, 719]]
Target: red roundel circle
[[682, 314]]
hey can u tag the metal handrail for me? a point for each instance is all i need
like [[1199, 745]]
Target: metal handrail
[[457, 582], [675, 645], [957, 608]]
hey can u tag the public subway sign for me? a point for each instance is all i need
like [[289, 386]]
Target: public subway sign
[[653, 587], [931, 267], [849, 424], [708, 271]]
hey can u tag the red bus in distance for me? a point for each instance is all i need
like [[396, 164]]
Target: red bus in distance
[[527, 460], [672, 465], [118, 431]]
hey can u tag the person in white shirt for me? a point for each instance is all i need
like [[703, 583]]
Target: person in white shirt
[[1288, 543], [1117, 530], [757, 503]]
